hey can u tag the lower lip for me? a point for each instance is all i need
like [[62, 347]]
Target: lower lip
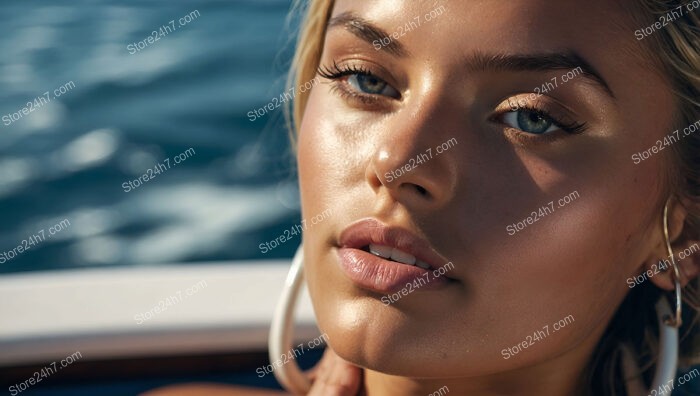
[[383, 276]]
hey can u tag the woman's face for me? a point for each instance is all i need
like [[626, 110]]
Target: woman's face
[[495, 136]]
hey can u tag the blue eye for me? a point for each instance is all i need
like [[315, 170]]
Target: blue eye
[[371, 85], [530, 121], [357, 82]]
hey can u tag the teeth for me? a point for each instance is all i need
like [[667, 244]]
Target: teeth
[[422, 264], [393, 254], [402, 257], [380, 250]]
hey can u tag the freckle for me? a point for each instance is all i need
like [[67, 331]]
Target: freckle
[[444, 355]]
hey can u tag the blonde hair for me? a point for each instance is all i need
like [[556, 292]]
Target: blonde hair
[[307, 56], [676, 52]]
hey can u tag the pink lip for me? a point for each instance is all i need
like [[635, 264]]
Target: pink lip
[[381, 275]]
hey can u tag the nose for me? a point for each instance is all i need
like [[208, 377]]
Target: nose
[[415, 164]]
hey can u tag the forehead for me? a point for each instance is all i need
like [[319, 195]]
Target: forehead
[[513, 26]]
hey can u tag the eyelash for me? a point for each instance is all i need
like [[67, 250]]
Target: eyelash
[[336, 72], [570, 127]]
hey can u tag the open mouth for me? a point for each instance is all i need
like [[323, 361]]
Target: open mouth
[[394, 254]]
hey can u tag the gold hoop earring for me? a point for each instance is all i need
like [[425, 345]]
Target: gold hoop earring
[[675, 275], [667, 362]]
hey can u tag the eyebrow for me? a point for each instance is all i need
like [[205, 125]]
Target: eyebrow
[[367, 31], [479, 61], [566, 60]]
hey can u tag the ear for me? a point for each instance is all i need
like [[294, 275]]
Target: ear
[[686, 251]]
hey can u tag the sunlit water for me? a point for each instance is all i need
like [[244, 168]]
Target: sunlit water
[[70, 156]]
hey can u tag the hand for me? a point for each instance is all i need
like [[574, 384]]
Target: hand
[[333, 376]]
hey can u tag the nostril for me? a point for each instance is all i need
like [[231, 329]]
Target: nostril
[[422, 190], [416, 188]]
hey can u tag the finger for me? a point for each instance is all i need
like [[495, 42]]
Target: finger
[[336, 378], [324, 365]]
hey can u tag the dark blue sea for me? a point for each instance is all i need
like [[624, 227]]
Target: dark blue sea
[[109, 106]]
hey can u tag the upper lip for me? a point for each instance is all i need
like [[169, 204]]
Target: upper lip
[[372, 231]]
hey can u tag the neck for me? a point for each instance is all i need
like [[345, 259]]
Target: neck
[[564, 375]]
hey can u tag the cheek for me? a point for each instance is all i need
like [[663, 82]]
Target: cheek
[[570, 260], [575, 259], [316, 148], [325, 166], [330, 153]]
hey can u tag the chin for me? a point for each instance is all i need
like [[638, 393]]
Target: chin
[[367, 334]]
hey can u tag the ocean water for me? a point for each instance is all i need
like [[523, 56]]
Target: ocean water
[[137, 151]]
